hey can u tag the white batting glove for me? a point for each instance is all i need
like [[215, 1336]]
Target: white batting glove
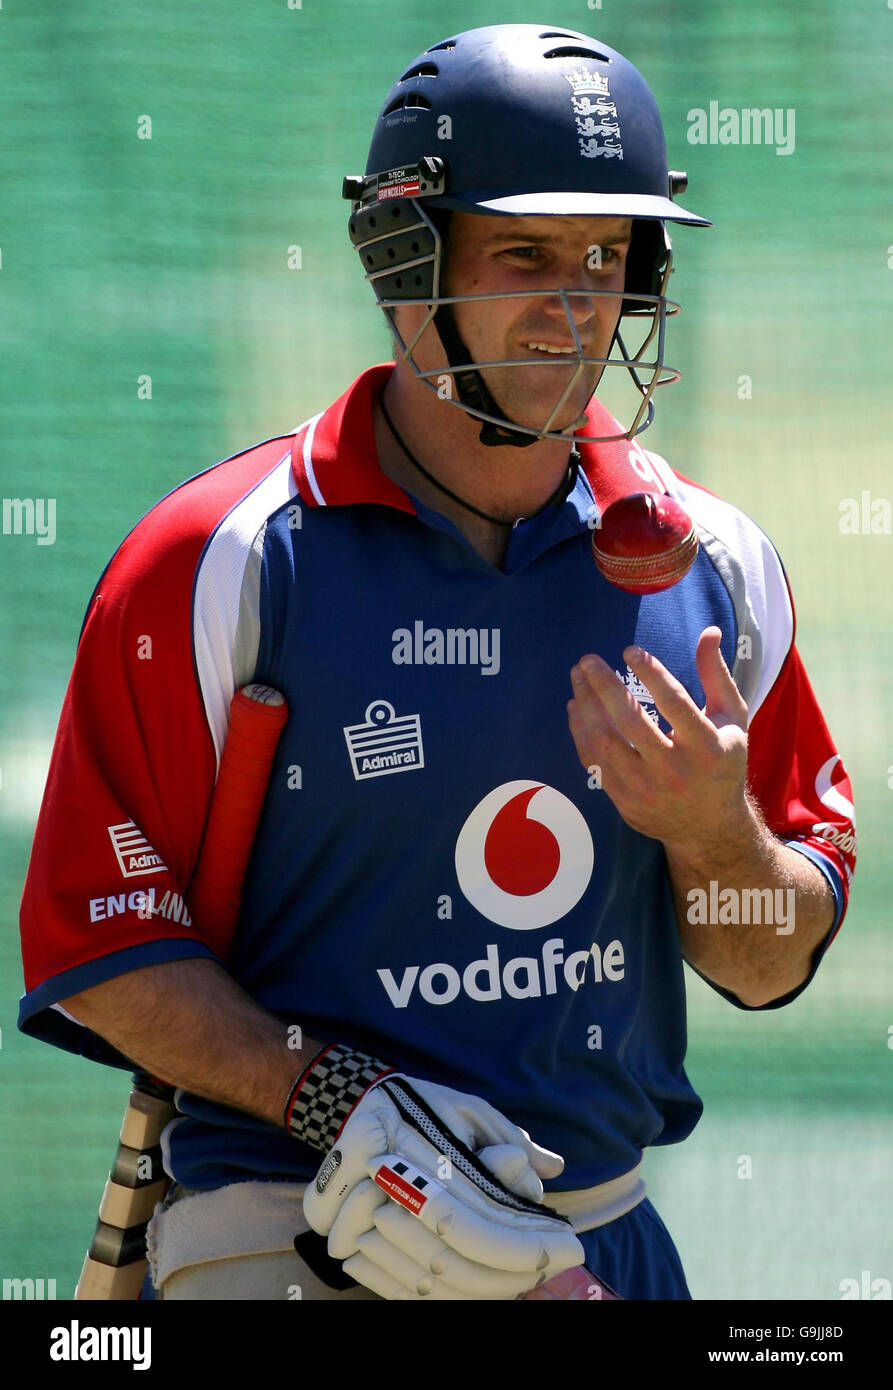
[[428, 1193]]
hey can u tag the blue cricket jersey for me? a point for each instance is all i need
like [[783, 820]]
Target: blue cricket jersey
[[436, 878]]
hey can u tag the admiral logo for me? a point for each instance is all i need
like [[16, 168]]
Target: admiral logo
[[133, 852], [385, 743], [328, 1170]]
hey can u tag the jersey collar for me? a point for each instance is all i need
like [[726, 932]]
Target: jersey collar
[[335, 461]]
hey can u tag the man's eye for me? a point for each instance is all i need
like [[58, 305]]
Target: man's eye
[[526, 252]]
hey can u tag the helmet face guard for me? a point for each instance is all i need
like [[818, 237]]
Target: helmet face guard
[[545, 105]]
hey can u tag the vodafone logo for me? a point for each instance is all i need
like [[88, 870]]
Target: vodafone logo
[[828, 793], [524, 856]]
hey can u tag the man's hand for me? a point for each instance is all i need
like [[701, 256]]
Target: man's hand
[[689, 791], [429, 1193], [685, 789]]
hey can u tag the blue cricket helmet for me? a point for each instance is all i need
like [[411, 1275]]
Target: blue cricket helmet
[[517, 119]]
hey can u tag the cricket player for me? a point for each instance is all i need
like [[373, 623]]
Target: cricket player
[[511, 797]]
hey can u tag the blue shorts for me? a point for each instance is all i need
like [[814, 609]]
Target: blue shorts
[[636, 1256]]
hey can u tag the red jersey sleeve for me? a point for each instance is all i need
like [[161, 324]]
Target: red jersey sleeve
[[135, 758], [797, 776], [799, 780], [795, 773]]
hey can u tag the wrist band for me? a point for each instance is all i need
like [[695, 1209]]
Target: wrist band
[[327, 1091]]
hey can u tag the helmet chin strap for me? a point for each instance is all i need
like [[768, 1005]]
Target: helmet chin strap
[[472, 388]]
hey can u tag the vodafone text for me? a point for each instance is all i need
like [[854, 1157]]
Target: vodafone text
[[843, 837], [522, 977]]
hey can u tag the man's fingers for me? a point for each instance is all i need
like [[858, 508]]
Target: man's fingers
[[723, 700], [611, 708], [596, 736], [669, 695]]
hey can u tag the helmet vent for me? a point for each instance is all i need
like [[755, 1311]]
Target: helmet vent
[[576, 51], [441, 47], [408, 99], [558, 34], [420, 70]]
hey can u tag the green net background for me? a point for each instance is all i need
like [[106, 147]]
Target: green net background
[[169, 257]]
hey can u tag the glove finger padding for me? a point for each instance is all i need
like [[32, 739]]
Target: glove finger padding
[[516, 1238], [421, 1264], [414, 1282], [356, 1217], [403, 1232], [397, 1137], [512, 1167], [373, 1277]]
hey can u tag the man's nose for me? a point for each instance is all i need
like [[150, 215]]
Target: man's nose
[[581, 307]]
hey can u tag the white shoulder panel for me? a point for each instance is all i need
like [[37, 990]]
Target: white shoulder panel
[[751, 570], [220, 609]]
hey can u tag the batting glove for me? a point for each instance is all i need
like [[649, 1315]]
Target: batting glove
[[428, 1193]]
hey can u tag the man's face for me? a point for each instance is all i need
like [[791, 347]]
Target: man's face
[[488, 255]]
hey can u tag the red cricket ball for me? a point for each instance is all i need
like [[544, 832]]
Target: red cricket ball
[[644, 543]]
